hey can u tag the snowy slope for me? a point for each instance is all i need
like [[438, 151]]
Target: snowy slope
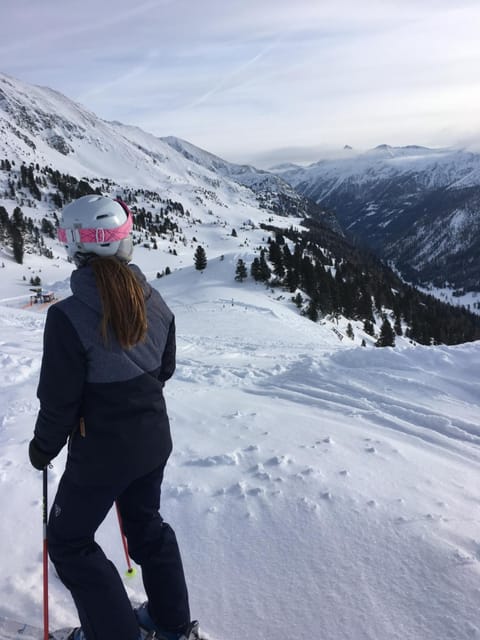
[[417, 207], [318, 489], [42, 126]]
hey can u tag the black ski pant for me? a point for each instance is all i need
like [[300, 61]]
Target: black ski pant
[[103, 606]]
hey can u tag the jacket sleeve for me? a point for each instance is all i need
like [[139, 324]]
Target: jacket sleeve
[[62, 378], [169, 355]]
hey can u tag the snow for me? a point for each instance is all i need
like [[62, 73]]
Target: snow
[[433, 168], [124, 153], [317, 488]]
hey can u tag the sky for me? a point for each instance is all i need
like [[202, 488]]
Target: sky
[[261, 81]]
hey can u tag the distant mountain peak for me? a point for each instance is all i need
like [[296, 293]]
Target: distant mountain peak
[[406, 203]]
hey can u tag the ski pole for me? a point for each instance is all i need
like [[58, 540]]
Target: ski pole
[[130, 572], [45, 555]]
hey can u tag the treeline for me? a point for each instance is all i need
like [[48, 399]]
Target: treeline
[[19, 233], [43, 182], [32, 183], [328, 276]]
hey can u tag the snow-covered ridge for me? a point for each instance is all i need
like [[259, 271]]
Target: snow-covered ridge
[[410, 204], [433, 167], [40, 125], [31, 117]]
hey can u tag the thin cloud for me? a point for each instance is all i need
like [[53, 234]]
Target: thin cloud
[[244, 78], [235, 77]]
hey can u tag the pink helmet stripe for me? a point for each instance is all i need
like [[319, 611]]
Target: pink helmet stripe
[[97, 236]]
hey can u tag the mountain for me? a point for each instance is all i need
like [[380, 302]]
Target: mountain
[[42, 126], [318, 488], [414, 206], [272, 191], [184, 198]]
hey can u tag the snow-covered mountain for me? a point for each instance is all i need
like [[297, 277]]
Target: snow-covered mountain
[[318, 487], [417, 207], [42, 126], [273, 192]]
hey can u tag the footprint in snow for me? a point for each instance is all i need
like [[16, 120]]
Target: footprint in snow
[[308, 505], [251, 448], [277, 461], [242, 490], [461, 557], [180, 491], [258, 471], [309, 471], [228, 459]]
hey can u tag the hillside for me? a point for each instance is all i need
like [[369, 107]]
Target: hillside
[[414, 206], [183, 197], [41, 126], [308, 263], [315, 486]]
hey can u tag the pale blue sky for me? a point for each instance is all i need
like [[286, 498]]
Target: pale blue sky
[[259, 80]]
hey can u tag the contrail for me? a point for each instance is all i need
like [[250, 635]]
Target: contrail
[[227, 79]]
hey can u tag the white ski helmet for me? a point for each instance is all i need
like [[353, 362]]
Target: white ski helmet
[[99, 225]]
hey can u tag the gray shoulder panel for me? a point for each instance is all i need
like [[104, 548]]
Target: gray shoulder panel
[[110, 363]]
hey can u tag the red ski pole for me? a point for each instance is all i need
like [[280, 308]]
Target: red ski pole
[[45, 555], [130, 570]]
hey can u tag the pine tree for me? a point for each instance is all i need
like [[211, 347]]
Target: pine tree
[[255, 270], [387, 336], [17, 244], [4, 223], [241, 271], [312, 311], [298, 300], [200, 258], [368, 327], [18, 220], [259, 268], [398, 326]]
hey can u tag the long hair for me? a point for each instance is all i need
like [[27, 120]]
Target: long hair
[[123, 301]]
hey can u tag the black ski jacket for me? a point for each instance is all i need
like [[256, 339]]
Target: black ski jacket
[[118, 393]]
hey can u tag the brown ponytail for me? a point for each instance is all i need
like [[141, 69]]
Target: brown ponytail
[[123, 301]]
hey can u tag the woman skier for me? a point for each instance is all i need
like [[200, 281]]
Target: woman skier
[[108, 350]]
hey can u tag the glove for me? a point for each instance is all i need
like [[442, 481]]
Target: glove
[[38, 458]]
